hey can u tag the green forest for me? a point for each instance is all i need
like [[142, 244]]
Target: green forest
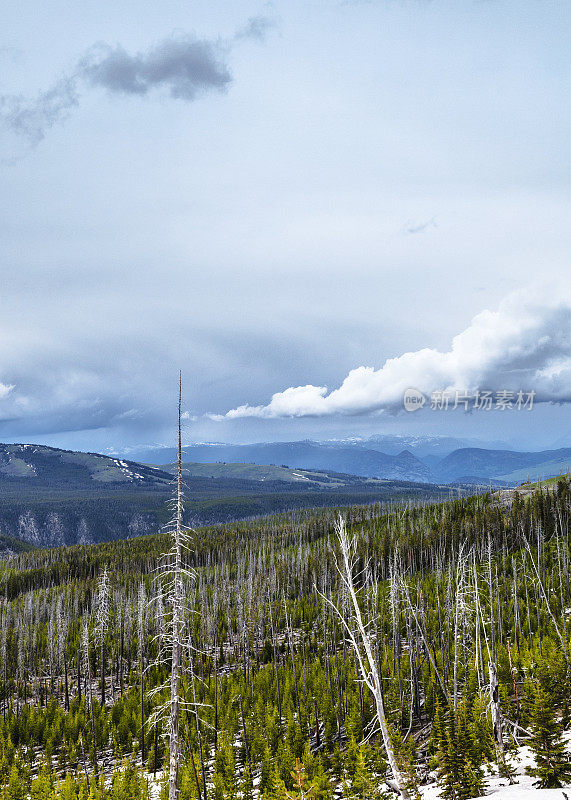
[[356, 653]]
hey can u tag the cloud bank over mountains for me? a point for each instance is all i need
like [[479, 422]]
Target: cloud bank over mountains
[[524, 345], [127, 387]]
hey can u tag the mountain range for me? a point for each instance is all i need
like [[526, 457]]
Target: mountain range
[[51, 497], [428, 460], [336, 456]]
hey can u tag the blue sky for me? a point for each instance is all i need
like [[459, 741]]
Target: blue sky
[[269, 196]]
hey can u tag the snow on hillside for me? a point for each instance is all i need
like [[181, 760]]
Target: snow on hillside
[[523, 788]]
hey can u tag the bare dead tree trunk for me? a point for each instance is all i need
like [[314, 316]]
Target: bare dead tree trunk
[[102, 622], [458, 611], [276, 667], [141, 631], [495, 705], [546, 601], [66, 684], [85, 638], [79, 674], [424, 636], [359, 637], [174, 740]]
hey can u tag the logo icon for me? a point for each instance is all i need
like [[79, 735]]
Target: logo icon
[[413, 400]]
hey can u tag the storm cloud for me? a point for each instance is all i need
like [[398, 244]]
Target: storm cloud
[[524, 345], [328, 210]]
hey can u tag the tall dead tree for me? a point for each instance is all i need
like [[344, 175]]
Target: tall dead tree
[[177, 619], [89, 692], [102, 621], [459, 610], [171, 626], [358, 635], [142, 599]]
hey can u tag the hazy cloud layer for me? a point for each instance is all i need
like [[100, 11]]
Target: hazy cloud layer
[[124, 381], [274, 235], [183, 65], [55, 390], [525, 344]]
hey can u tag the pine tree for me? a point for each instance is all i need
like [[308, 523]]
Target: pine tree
[[406, 755], [321, 784], [437, 741], [267, 773], [481, 730], [363, 785], [301, 788], [16, 787], [471, 778], [247, 784], [42, 786], [553, 765], [459, 770]]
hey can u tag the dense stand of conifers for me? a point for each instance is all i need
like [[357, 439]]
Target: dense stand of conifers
[[466, 605]]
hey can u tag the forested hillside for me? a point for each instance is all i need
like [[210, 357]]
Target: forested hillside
[[51, 497], [465, 607]]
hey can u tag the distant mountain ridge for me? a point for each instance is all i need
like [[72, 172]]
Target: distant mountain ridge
[[337, 457], [51, 497], [420, 446], [360, 457], [480, 463]]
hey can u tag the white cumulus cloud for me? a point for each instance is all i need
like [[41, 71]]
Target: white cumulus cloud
[[524, 345], [5, 389]]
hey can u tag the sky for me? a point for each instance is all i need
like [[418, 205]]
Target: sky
[[307, 207]]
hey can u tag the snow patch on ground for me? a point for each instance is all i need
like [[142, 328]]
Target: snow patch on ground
[[523, 788]]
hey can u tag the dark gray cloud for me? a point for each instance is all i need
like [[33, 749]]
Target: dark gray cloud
[[184, 65], [124, 382]]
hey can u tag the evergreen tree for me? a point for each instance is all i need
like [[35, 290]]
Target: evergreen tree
[[247, 784], [267, 774], [16, 786], [459, 769], [302, 790], [363, 784], [553, 765], [438, 734], [43, 786], [321, 783]]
